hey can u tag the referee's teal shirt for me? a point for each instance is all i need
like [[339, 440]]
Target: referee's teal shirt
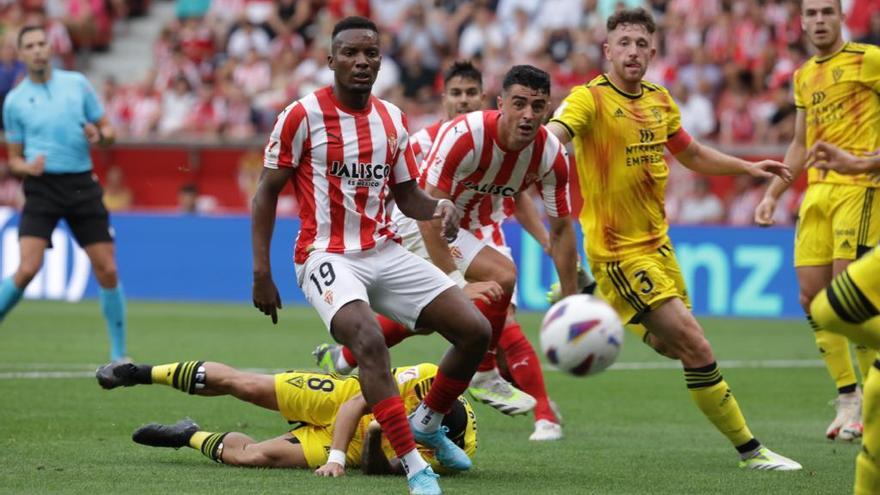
[[48, 119]]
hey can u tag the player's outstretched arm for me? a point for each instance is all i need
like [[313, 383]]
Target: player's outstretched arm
[[527, 215], [263, 205], [795, 158], [826, 156], [707, 160], [563, 250], [344, 426]]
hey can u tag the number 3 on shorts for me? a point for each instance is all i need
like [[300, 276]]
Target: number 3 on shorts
[[328, 276], [644, 281]]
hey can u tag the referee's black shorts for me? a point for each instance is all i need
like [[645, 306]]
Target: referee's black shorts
[[77, 198]]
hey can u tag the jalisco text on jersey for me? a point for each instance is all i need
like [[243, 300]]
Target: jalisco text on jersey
[[360, 170], [496, 189]]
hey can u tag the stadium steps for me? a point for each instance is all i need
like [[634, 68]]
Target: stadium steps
[[131, 54]]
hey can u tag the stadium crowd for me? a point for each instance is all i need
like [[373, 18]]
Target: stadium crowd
[[224, 68]]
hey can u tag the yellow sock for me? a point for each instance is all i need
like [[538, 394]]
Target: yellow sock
[[838, 361], [713, 396], [185, 376], [865, 356], [209, 444], [868, 461]]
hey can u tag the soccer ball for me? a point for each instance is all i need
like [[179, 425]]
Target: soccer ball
[[581, 335]]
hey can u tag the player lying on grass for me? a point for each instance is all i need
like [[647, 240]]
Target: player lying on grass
[[330, 416]]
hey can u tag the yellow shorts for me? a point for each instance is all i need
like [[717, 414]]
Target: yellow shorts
[[634, 285], [855, 294], [836, 222], [316, 441]]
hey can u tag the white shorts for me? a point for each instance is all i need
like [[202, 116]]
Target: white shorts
[[393, 281], [463, 249]]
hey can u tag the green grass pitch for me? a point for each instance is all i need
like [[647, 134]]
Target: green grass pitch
[[627, 431]]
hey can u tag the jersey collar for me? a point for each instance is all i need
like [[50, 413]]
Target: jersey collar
[[622, 92], [826, 58]]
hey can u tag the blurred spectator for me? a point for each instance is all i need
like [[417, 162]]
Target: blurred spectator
[[207, 113], [482, 32], [701, 206], [526, 39], [117, 197], [697, 114], [177, 105], [254, 74], [736, 125], [699, 72], [873, 34], [11, 193], [246, 38], [12, 70], [187, 198], [747, 193]]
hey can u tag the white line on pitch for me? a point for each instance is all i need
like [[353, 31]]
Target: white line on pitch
[[653, 365]]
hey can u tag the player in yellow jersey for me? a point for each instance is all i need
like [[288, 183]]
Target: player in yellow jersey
[[849, 306], [620, 126], [329, 414], [836, 94]]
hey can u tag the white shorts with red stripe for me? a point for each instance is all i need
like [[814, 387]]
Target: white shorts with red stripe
[[393, 281]]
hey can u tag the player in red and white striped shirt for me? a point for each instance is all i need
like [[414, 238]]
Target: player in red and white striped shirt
[[463, 93], [479, 161], [342, 149]]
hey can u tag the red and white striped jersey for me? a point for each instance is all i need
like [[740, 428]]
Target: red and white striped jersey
[[344, 161], [468, 163], [422, 141]]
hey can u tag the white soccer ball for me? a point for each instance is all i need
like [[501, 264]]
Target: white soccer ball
[[581, 335]]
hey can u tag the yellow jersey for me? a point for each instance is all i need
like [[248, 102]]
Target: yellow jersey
[[619, 142], [839, 94]]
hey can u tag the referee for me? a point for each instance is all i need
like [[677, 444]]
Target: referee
[[51, 117]]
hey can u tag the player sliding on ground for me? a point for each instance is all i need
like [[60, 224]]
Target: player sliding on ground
[[330, 415], [621, 126], [849, 306]]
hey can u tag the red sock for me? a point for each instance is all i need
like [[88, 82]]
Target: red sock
[[496, 313], [525, 368], [392, 331], [444, 392], [392, 418]]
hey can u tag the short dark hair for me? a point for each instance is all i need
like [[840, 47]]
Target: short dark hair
[[638, 16], [456, 421], [28, 29], [464, 69], [354, 22], [528, 76]]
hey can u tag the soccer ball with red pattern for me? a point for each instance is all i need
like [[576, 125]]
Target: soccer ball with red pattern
[[581, 335]]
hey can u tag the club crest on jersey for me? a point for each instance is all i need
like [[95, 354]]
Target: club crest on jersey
[[495, 189], [361, 174], [392, 142]]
